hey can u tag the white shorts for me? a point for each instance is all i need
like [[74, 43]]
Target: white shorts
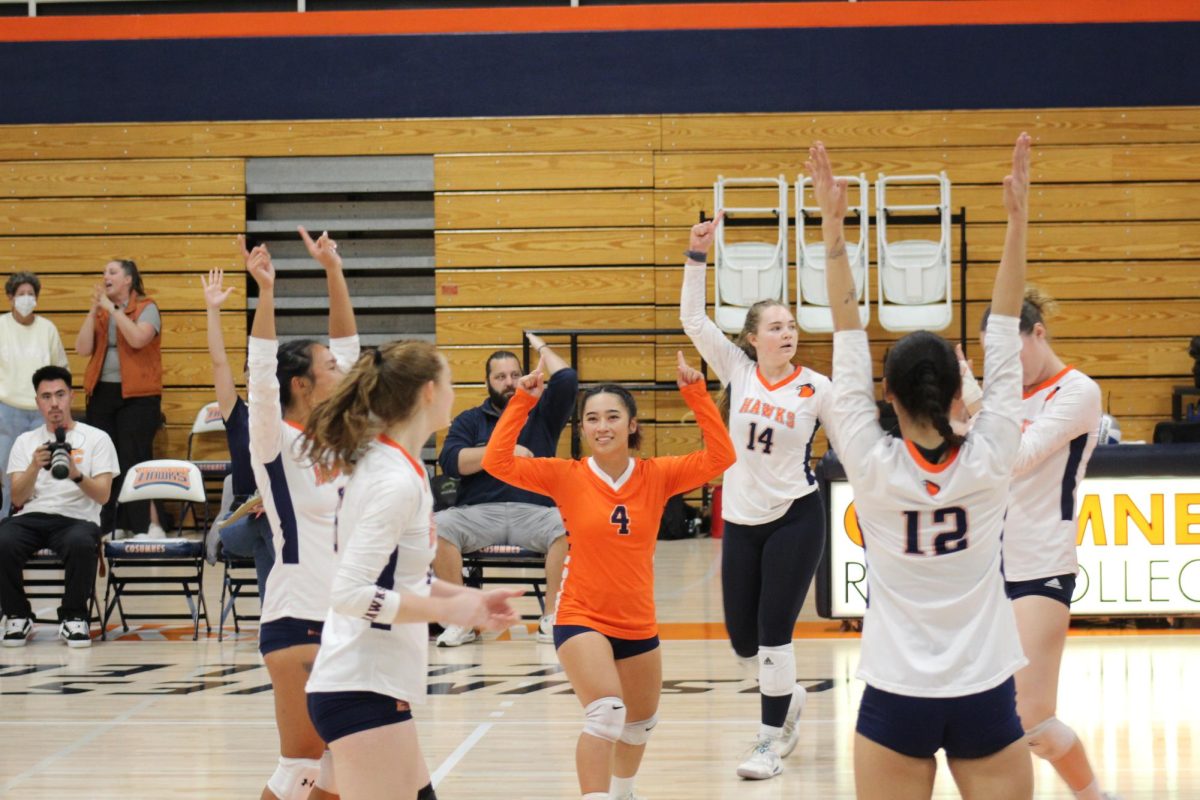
[[472, 528]]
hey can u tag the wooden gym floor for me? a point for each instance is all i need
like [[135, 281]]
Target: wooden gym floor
[[154, 714]]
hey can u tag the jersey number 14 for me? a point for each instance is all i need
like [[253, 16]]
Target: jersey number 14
[[949, 535]]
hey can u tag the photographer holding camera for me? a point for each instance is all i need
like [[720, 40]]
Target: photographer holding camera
[[62, 473]]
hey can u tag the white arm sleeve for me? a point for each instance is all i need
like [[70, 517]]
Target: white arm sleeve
[[999, 423], [266, 414], [345, 351], [1074, 411], [389, 507], [853, 419], [722, 355]]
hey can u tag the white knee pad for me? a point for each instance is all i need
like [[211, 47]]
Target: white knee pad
[[1050, 739], [605, 718], [327, 781], [776, 670], [294, 778], [636, 733]]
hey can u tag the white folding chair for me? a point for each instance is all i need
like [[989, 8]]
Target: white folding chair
[[915, 291], [748, 272], [208, 420], [812, 297], [172, 566]]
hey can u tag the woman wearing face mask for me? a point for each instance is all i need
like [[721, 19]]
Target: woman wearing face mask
[[123, 380], [28, 342], [605, 630], [285, 384], [774, 519]]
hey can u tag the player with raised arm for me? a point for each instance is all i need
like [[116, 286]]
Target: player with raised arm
[[285, 384], [940, 643], [774, 518], [612, 502]]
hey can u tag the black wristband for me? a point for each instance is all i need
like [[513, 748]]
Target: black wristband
[[696, 255], [79, 479]]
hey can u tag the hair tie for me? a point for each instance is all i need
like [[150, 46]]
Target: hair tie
[[378, 357]]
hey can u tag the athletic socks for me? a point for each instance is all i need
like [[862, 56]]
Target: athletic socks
[[774, 709], [1090, 792], [769, 732], [621, 787]]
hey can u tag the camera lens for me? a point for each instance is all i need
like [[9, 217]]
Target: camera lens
[[60, 464]]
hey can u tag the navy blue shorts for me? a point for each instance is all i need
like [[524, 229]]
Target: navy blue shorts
[[973, 726], [1059, 587], [285, 632], [338, 714], [622, 648]]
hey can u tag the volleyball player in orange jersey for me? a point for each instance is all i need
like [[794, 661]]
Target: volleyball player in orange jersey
[[606, 632]]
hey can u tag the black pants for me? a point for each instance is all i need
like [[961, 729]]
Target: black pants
[[765, 574], [75, 542], [132, 424]]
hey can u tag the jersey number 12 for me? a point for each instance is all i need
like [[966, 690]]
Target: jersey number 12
[[951, 538]]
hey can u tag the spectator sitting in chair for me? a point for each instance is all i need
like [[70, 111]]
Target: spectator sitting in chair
[[61, 474], [489, 512]]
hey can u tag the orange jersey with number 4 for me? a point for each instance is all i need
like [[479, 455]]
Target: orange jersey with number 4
[[612, 526]]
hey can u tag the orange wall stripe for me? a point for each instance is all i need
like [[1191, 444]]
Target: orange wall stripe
[[605, 18]]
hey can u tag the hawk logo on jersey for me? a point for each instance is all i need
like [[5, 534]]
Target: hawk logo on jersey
[[932, 488], [806, 390]]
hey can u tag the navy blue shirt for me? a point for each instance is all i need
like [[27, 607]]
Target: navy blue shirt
[[473, 428], [237, 434]]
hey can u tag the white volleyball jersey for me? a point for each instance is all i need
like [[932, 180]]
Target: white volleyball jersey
[[1060, 421], [938, 623], [300, 507], [772, 425], [386, 536]]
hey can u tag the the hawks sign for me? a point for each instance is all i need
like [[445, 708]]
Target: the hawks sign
[[1139, 548]]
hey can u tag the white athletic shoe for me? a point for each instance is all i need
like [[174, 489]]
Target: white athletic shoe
[[454, 635], [545, 631], [155, 531], [627, 796], [787, 740], [1110, 796], [18, 631], [763, 762], [75, 633]]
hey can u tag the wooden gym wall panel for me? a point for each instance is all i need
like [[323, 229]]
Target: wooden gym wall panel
[[143, 178], [76, 254], [201, 140], [66, 217]]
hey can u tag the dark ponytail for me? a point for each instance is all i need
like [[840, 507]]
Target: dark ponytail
[[922, 372]]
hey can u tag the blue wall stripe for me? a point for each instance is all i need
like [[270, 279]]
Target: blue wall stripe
[[639, 72]]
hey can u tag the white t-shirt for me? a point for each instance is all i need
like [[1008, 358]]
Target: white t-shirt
[[938, 623], [300, 507], [1061, 421], [772, 426], [24, 349], [386, 537], [94, 455]]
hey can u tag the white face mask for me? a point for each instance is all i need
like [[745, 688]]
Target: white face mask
[[25, 304]]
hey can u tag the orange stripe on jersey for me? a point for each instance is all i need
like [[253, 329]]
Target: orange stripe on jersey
[[773, 386], [390, 442], [924, 464], [1048, 382]]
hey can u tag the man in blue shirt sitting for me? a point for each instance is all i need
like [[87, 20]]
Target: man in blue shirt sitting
[[489, 511]]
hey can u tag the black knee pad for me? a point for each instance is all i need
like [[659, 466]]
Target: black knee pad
[[427, 793]]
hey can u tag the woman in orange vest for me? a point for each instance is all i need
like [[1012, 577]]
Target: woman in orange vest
[[123, 380]]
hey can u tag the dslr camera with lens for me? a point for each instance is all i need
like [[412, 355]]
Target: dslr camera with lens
[[60, 455]]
